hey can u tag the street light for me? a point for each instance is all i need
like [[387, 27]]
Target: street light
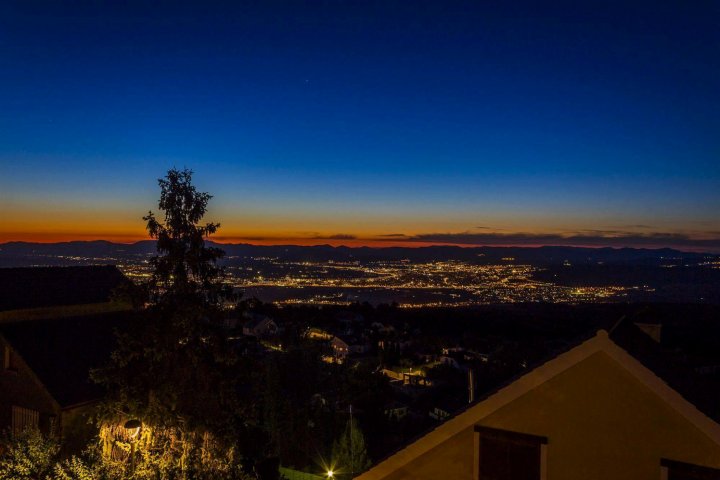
[[133, 429], [330, 474]]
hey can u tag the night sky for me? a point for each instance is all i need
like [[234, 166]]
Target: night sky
[[376, 123]]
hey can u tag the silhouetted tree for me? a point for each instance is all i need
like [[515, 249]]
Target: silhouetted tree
[[185, 266], [174, 369]]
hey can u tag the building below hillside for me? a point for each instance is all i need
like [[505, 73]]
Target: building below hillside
[[49, 346]]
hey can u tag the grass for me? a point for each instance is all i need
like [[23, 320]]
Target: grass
[[291, 474]]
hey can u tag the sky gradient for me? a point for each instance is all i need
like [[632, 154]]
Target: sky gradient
[[378, 123]]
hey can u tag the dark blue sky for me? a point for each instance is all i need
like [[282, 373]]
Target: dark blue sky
[[328, 118]]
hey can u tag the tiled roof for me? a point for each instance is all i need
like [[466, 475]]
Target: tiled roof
[[62, 351], [22, 288]]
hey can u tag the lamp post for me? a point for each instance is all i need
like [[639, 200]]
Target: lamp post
[[352, 453], [133, 429]]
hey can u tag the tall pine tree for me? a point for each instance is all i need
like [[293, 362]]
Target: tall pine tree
[[174, 369], [349, 454]]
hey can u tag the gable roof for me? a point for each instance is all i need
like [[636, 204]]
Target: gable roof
[[601, 342], [257, 321], [349, 340], [61, 352], [702, 392], [35, 287]]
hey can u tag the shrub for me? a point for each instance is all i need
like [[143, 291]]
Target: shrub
[[27, 456]]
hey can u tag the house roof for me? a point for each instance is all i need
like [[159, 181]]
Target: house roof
[[61, 352], [626, 344], [36, 287], [703, 392], [350, 340], [257, 320]]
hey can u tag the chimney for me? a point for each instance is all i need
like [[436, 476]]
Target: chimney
[[471, 386]]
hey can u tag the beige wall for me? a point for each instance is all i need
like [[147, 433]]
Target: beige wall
[[76, 428], [601, 423], [448, 461]]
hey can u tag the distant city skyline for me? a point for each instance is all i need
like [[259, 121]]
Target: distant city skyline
[[398, 123]]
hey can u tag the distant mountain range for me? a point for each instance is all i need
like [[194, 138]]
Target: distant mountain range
[[83, 252]]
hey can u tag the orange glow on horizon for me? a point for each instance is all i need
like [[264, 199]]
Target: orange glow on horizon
[[39, 237], [36, 237], [130, 238], [118, 229], [308, 242], [56, 237]]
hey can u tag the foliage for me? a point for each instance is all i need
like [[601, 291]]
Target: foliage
[[293, 413], [27, 456], [349, 452], [206, 410], [389, 354], [174, 369], [170, 453], [185, 266], [74, 468], [88, 466], [31, 456]]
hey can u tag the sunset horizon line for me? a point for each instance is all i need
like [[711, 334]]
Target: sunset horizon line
[[710, 246]]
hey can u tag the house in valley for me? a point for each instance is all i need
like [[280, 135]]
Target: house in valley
[[345, 345], [260, 326]]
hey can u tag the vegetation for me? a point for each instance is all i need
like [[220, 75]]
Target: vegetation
[[208, 409], [31, 456], [27, 456], [349, 452], [185, 267], [175, 370]]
